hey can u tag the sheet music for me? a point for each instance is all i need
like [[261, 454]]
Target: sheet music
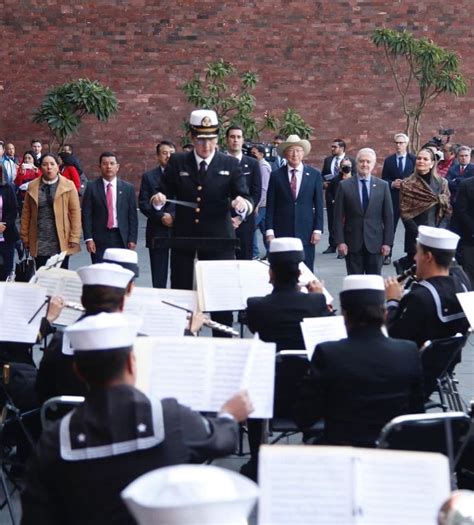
[[467, 304], [67, 284], [307, 275], [320, 330], [205, 372], [303, 485], [18, 303], [418, 484], [255, 280], [219, 286], [157, 317]]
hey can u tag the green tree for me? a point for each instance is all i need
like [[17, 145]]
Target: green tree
[[422, 71], [229, 94], [65, 106]]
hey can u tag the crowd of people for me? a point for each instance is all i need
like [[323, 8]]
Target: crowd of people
[[197, 203]]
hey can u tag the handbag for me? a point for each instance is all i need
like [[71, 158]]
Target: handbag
[[25, 268]]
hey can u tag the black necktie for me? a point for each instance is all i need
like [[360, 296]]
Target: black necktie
[[202, 170], [365, 194], [400, 165]]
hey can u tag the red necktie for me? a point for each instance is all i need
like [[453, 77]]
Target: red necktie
[[293, 184], [461, 169], [110, 207]]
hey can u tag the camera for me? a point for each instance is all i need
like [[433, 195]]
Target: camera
[[446, 132]]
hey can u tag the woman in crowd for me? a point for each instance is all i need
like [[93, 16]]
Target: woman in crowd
[[51, 217], [69, 169], [8, 230], [424, 200], [27, 171]]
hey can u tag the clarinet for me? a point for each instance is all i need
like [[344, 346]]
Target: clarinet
[[410, 272]]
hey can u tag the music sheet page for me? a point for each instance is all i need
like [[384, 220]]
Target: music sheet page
[[321, 329], [255, 280], [18, 303], [467, 304], [398, 488], [303, 485], [219, 286]]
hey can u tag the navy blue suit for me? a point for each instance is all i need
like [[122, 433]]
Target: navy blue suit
[[300, 217], [159, 257], [455, 178], [94, 217], [391, 173]]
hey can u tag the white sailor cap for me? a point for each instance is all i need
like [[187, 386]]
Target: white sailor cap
[[362, 290], [204, 123], [105, 274], [104, 331], [190, 494], [437, 238], [126, 258], [286, 249]]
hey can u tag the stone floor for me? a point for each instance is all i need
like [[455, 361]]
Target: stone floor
[[327, 268]]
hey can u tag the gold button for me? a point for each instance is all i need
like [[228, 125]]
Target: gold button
[[199, 188], [198, 210], [196, 221], [198, 199]]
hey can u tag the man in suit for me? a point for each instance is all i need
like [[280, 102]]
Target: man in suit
[[464, 216], [277, 317], [278, 161], [363, 218], [251, 171], [330, 170], [460, 171], [109, 211], [360, 383], [397, 167], [117, 434], [295, 199], [159, 223]]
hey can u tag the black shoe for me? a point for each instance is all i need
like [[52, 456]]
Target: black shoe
[[250, 470], [340, 256], [398, 267], [387, 260], [329, 249]]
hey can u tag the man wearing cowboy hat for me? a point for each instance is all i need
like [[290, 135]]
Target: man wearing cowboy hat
[[295, 198]]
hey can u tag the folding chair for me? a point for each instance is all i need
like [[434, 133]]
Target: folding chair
[[444, 432], [439, 358], [291, 366], [58, 406]]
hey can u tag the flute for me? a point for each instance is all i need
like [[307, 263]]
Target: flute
[[208, 322]]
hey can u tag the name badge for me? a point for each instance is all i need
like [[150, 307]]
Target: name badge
[[183, 174], [224, 172]]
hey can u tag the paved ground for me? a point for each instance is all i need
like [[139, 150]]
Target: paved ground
[[327, 268]]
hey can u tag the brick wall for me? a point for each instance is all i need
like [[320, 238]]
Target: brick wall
[[314, 56]]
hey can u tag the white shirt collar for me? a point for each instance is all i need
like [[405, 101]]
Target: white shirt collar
[[107, 182], [208, 160], [299, 168]]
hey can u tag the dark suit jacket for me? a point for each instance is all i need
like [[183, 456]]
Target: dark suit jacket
[[151, 184], [355, 228], [360, 383], [328, 162], [289, 218], [94, 212], [464, 210], [277, 316], [9, 212], [390, 173], [454, 178], [223, 182]]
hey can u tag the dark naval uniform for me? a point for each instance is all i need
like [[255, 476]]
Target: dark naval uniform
[[85, 460], [429, 311], [212, 191], [360, 383], [277, 316]]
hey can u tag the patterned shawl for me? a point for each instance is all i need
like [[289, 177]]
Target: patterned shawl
[[417, 196]]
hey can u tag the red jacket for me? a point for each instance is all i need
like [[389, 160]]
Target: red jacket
[[71, 173], [25, 175]]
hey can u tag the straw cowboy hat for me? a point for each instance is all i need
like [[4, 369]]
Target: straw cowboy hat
[[294, 140]]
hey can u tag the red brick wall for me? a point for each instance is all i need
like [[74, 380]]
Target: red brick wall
[[314, 56]]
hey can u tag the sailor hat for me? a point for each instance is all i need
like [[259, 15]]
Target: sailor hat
[[362, 290], [105, 274], [126, 258], [285, 249], [437, 238]]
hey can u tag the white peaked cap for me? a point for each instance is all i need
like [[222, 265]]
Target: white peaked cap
[[204, 123], [437, 238], [126, 258], [363, 282], [286, 244], [103, 331], [190, 495], [105, 274], [121, 255]]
